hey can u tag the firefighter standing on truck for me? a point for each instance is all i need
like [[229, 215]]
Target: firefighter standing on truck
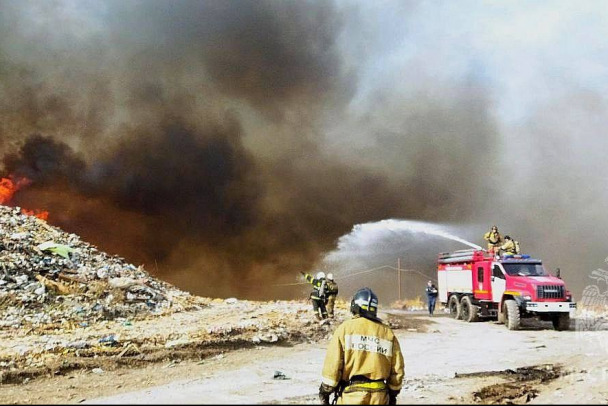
[[317, 296], [364, 364], [331, 294], [494, 239], [510, 247]]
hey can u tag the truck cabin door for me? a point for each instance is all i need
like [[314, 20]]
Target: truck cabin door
[[498, 283], [482, 282]]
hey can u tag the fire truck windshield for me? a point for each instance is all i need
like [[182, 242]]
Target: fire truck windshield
[[525, 269]]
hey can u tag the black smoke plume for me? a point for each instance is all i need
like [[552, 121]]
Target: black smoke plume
[[214, 141]]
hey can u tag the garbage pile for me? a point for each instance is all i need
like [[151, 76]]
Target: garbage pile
[[50, 277]]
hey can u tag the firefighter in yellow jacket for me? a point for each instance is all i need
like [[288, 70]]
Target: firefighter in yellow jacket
[[364, 364], [510, 247], [494, 239], [332, 293]]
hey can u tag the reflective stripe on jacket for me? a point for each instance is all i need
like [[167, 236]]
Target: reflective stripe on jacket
[[363, 347], [318, 287], [374, 386]]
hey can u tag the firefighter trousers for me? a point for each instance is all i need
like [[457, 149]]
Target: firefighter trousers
[[331, 301], [318, 305], [493, 248]]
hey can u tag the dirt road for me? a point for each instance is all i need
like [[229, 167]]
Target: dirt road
[[452, 362]]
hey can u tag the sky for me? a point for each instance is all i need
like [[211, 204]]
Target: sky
[[227, 145]]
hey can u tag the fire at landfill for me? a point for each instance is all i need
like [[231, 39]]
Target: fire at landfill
[[226, 146], [8, 188], [44, 267]]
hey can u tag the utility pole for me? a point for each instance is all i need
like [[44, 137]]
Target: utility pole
[[399, 276]]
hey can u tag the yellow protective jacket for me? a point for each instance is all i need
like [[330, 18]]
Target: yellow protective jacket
[[364, 347], [493, 238], [332, 288], [509, 247]]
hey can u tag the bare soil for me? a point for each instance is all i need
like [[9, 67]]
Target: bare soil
[[447, 361]]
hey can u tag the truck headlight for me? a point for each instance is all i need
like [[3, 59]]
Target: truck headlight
[[528, 297]]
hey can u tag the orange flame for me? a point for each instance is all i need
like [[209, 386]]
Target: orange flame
[[8, 188], [41, 214]]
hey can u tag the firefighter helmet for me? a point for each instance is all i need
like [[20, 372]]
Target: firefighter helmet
[[320, 275], [330, 276], [365, 304]]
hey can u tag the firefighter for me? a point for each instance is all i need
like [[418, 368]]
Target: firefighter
[[494, 239], [331, 294], [510, 247], [363, 364], [317, 296], [431, 296]]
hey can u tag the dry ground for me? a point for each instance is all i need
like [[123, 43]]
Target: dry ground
[[214, 358]]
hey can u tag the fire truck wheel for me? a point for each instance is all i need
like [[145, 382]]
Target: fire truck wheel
[[561, 321], [455, 308], [468, 310], [513, 319]]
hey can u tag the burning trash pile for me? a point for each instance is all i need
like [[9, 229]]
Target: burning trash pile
[[50, 277], [65, 305], [8, 187]]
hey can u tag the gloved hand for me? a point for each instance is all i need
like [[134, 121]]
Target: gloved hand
[[392, 397], [324, 392]]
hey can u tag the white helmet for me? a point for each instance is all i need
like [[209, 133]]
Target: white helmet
[[320, 275], [330, 276]]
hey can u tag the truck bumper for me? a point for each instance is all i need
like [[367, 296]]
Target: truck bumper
[[550, 307]]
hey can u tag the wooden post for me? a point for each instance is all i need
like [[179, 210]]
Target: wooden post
[[399, 276]]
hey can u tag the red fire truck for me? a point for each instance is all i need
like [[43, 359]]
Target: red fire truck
[[476, 284]]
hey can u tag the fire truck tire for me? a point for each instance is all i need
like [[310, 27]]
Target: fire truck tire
[[468, 311], [512, 320], [561, 321], [455, 308]]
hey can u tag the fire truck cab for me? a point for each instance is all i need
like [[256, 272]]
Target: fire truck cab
[[476, 284]]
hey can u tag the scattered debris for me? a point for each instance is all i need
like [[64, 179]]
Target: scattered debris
[[59, 249], [521, 385], [50, 277], [398, 320], [65, 306], [279, 375]]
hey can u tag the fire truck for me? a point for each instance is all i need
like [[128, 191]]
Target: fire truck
[[477, 284]]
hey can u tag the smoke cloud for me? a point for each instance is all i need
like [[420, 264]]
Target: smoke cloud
[[228, 145]]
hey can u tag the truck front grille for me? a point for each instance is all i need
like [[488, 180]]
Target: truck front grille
[[550, 292]]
